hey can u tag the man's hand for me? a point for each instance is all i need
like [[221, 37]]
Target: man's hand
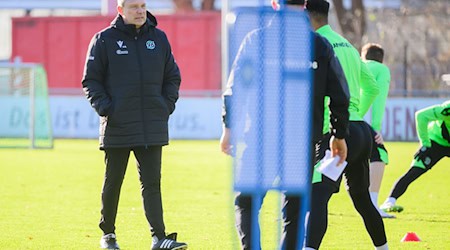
[[379, 138], [338, 147], [225, 145]]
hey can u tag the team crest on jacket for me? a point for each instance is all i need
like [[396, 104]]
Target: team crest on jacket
[[150, 44]]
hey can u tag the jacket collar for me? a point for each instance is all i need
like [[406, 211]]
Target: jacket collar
[[119, 24]]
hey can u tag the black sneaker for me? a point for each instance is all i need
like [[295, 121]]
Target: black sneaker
[[168, 243], [108, 241]]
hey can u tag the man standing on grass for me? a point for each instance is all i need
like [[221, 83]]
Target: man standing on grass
[[433, 130], [372, 55], [132, 81], [363, 90]]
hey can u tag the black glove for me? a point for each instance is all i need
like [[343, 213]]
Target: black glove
[[421, 153]]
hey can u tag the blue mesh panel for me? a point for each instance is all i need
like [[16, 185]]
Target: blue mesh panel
[[272, 95]]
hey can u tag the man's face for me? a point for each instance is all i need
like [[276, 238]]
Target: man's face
[[133, 12]]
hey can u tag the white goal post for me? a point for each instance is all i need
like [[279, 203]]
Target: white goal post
[[25, 120]]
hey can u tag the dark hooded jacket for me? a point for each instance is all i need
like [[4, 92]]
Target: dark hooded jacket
[[132, 81]]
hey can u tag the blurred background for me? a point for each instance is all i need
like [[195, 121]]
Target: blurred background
[[55, 34]]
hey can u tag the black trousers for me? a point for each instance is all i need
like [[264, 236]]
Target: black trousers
[[245, 206], [293, 205], [293, 220], [359, 145], [148, 162], [292, 237]]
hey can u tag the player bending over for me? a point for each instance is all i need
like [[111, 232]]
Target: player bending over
[[433, 127]]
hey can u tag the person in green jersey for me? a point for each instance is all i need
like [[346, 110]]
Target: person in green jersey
[[372, 54], [433, 130], [363, 91]]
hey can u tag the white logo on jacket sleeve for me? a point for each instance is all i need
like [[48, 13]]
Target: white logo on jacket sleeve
[[150, 44]]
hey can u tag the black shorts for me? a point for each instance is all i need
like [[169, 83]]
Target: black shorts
[[379, 152], [359, 145], [431, 156]]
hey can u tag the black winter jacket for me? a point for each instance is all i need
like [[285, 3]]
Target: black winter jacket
[[132, 81]]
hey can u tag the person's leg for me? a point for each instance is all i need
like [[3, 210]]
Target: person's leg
[[149, 169], [293, 205], [291, 210], [321, 192], [116, 160], [399, 189], [372, 219], [378, 161], [420, 165], [376, 176], [376, 170], [357, 175], [403, 183], [244, 219], [318, 216]]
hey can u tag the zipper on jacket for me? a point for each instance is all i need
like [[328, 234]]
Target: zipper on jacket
[[142, 90]]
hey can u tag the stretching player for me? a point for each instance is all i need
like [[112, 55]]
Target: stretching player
[[433, 129]]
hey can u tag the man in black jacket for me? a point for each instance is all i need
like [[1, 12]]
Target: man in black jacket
[[328, 80], [132, 81]]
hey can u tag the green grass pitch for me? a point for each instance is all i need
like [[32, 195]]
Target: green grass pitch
[[50, 199]]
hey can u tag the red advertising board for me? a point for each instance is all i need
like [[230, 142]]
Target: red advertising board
[[60, 44]]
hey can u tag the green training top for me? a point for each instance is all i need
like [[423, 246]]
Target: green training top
[[433, 123], [361, 83], [383, 78]]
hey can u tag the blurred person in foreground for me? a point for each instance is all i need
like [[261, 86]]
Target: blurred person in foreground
[[328, 80], [363, 90], [433, 130], [132, 81], [372, 54]]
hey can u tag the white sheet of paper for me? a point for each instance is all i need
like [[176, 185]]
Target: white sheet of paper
[[329, 168]]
